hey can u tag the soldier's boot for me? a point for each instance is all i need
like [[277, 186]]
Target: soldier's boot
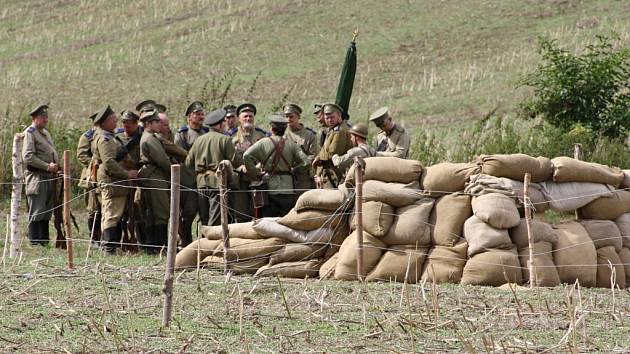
[[110, 238], [146, 240], [33, 232], [140, 229], [45, 232], [94, 229], [186, 233], [161, 237]]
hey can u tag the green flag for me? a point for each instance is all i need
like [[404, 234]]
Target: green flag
[[346, 79]]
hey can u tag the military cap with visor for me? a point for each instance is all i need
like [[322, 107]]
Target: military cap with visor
[[128, 115], [230, 109], [277, 118], [379, 116], [332, 107], [359, 129], [317, 108], [93, 116], [195, 106], [150, 104], [215, 117], [292, 108], [103, 114], [40, 110], [149, 116], [246, 107]]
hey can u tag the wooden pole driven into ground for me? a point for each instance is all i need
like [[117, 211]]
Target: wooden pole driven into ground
[[223, 171], [358, 210], [528, 221], [16, 194], [172, 247], [577, 151], [67, 196]]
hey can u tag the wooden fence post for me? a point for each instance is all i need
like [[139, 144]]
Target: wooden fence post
[[172, 246], [67, 197], [358, 210], [16, 194], [528, 222], [223, 200]]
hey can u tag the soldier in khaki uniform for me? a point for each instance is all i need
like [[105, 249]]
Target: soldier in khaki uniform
[[87, 182], [113, 176], [304, 137], [155, 176], [204, 158], [392, 140], [278, 158], [358, 136], [323, 129], [231, 121], [165, 134], [337, 143], [42, 164]]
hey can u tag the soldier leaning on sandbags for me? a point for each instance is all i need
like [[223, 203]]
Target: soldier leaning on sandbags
[[304, 137], [393, 140], [42, 164], [358, 136], [87, 182], [337, 143]]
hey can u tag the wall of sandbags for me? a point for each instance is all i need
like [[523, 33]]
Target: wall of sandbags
[[456, 223]]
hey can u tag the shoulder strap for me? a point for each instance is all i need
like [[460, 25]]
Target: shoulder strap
[[277, 155]]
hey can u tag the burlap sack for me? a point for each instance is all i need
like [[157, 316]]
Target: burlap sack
[[574, 254], [623, 223], [624, 256], [497, 210], [447, 177], [241, 249], [541, 232], [341, 232], [567, 169], [395, 194], [242, 230], [494, 268], [545, 272], [604, 256], [269, 227], [448, 217], [377, 218], [388, 169], [626, 180], [322, 199], [607, 208], [481, 236], [346, 268], [312, 219], [515, 166], [298, 270], [411, 225], [295, 252], [603, 233], [400, 263], [249, 266], [481, 184], [570, 196], [187, 257], [327, 270], [445, 264]]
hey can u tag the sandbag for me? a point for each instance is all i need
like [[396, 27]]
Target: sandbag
[[340, 233], [626, 180], [242, 230], [623, 224], [447, 177], [187, 256], [327, 270], [395, 194], [377, 218], [295, 252], [400, 263], [494, 268], [481, 236], [310, 219], [346, 268], [604, 256], [567, 169], [299, 270], [497, 210], [574, 255], [411, 225], [541, 232], [241, 249], [249, 266], [481, 184], [624, 256], [388, 169], [545, 272], [607, 208], [603, 233], [269, 227], [515, 166], [570, 196], [322, 199], [448, 217], [445, 264]]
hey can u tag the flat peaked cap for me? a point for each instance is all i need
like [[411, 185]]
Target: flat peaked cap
[[277, 118], [230, 109], [381, 113], [292, 108], [93, 116], [142, 105], [317, 108], [40, 110], [332, 107], [195, 106], [149, 115], [215, 117], [359, 129], [103, 114], [129, 115], [245, 107]]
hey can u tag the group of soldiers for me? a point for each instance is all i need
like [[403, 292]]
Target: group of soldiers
[[126, 170]]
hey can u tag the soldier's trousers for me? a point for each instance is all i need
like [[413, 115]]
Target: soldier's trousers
[[113, 206], [40, 203], [279, 205], [213, 200], [241, 201]]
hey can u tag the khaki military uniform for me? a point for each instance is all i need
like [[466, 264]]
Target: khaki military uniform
[[37, 152], [306, 138], [176, 153], [204, 158], [396, 144], [132, 145], [343, 162], [279, 170], [337, 143], [242, 141], [87, 182]]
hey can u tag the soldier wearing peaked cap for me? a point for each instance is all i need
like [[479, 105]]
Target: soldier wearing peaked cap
[[150, 105], [231, 122], [358, 136], [392, 140], [130, 135], [337, 143], [304, 137], [42, 164], [87, 181], [323, 129]]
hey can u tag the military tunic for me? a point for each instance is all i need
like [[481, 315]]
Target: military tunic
[[306, 138], [37, 152], [155, 175], [191, 202], [396, 144], [242, 140], [337, 143], [88, 181], [176, 153], [343, 162], [132, 145]]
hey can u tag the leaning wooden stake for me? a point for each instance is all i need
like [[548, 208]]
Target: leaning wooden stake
[[16, 194], [67, 196], [577, 154], [528, 222], [172, 247], [222, 171], [358, 210]]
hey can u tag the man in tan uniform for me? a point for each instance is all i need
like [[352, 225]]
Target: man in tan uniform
[[392, 140], [358, 136], [304, 137], [337, 143], [42, 164], [87, 181]]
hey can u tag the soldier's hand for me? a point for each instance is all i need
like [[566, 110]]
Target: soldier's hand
[[132, 174], [53, 167], [316, 162]]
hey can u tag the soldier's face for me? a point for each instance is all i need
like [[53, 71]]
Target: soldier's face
[[165, 124], [110, 122], [195, 119], [332, 119], [294, 120], [230, 120], [320, 119], [130, 126], [41, 121], [246, 119], [153, 126], [354, 140]]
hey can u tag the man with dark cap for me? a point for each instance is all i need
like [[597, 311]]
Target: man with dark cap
[[392, 140], [42, 164], [113, 177], [231, 123], [337, 143], [278, 158], [306, 139], [87, 181], [154, 177], [323, 129], [358, 136], [130, 135], [204, 158]]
